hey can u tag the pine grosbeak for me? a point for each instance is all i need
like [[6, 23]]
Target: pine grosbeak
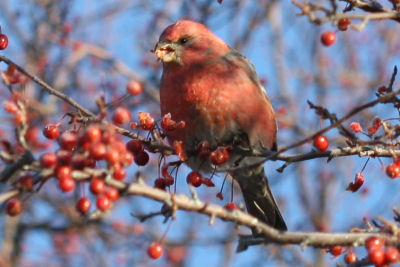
[[216, 92]]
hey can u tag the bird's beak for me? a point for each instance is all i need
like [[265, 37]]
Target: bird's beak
[[165, 51]]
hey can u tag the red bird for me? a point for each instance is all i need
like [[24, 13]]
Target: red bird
[[216, 92]]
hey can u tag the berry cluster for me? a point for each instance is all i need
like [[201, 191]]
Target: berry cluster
[[93, 155], [378, 253]]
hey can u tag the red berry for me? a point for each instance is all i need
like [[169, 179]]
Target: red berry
[[97, 186], [219, 156], [93, 133], [393, 170], [83, 205], [373, 242], [3, 41], [68, 140], [63, 157], [112, 193], [134, 88], [119, 173], [103, 202], [135, 146], [321, 143], [220, 196], [66, 184], [336, 250], [328, 38], [63, 172], [127, 158], [391, 255], [51, 131], [231, 206], [343, 24], [376, 256], [350, 257], [98, 151], [121, 116], [14, 207], [142, 158], [10, 107], [48, 160], [155, 250], [194, 178], [112, 156]]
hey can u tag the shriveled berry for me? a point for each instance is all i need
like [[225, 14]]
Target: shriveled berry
[[142, 158], [135, 146], [203, 149], [146, 121], [231, 206], [207, 182], [160, 183], [343, 24]]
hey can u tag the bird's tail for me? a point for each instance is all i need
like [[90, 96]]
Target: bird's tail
[[258, 196]]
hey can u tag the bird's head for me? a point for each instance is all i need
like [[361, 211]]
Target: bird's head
[[187, 42]]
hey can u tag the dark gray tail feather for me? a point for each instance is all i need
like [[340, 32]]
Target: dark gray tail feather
[[258, 196]]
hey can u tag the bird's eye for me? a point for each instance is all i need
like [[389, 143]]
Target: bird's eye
[[184, 40]]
